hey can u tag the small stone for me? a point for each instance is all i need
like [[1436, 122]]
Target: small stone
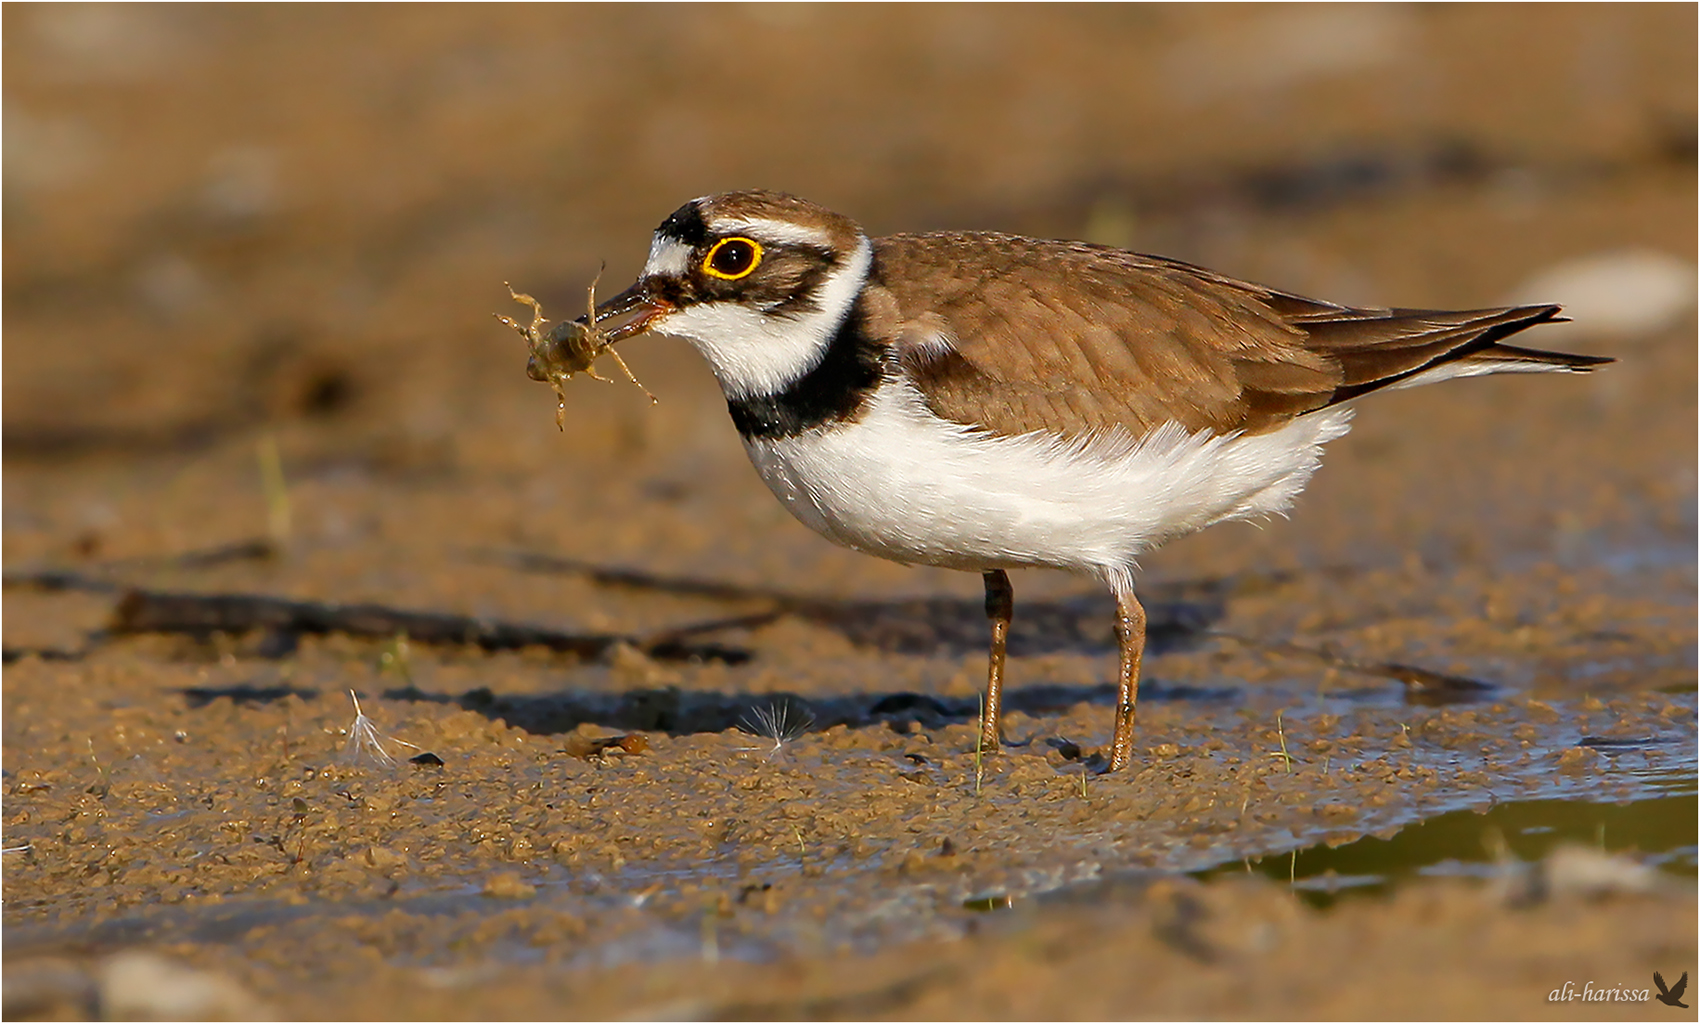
[[138, 985], [1576, 870], [508, 886], [384, 858], [635, 668], [1624, 294]]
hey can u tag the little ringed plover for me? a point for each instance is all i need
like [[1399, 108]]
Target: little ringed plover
[[988, 402]]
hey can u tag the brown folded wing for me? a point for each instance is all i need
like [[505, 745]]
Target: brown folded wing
[[1017, 334]]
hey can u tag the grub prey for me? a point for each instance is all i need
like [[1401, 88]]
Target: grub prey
[[570, 348]]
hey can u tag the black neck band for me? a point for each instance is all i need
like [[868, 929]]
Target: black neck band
[[834, 390]]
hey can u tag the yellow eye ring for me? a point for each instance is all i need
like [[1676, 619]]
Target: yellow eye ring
[[732, 258]]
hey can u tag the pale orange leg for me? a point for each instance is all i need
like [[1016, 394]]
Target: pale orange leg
[[1000, 609], [1130, 630]]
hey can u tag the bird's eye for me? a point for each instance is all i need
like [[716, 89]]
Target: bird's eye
[[732, 258]]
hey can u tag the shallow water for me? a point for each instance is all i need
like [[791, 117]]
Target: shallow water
[[1657, 830]]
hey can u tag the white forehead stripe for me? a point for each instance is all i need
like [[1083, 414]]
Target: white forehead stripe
[[779, 232], [667, 257], [755, 353]]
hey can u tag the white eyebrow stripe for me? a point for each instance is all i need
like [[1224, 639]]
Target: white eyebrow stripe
[[753, 353], [777, 231], [667, 258]]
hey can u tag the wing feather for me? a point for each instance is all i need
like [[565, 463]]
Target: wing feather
[[1017, 334]]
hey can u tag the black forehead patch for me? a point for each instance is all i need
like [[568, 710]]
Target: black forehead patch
[[685, 225]]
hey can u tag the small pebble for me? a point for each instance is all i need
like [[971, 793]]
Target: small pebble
[[1621, 295], [508, 886]]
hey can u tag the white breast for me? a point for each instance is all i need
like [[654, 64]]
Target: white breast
[[903, 484]]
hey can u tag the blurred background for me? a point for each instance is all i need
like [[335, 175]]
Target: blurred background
[[228, 223], [252, 255]]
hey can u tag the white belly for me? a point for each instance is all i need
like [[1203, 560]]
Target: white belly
[[903, 484]]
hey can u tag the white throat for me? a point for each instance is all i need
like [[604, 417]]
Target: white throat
[[753, 353]]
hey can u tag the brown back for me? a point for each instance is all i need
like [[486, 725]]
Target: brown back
[[1074, 338]]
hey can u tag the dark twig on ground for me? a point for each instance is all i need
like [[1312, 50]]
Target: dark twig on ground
[[641, 579], [1179, 611], [9, 655], [93, 577], [150, 611], [61, 579], [1422, 686]]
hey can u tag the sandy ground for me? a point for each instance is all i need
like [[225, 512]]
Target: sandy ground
[[237, 231]]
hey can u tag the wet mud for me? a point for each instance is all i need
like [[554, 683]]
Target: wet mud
[[635, 744]]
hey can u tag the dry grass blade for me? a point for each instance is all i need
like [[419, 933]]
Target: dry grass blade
[[779, 722], [365, 743], [276, 489]]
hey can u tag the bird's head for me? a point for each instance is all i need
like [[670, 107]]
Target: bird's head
[[758, 281]]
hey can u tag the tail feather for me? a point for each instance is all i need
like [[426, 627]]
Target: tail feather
[[1559, 361], [1441, 346]]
